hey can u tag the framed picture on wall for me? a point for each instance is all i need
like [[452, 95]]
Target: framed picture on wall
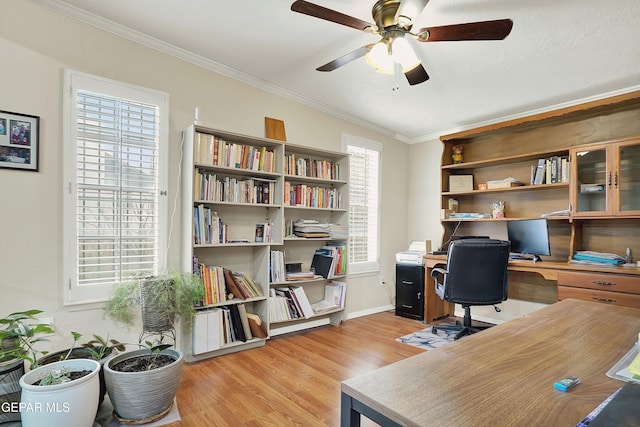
[[19, 141]]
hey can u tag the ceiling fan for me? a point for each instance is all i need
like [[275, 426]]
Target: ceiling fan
[[393, 22]]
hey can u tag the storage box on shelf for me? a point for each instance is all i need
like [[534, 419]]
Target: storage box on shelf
[[232, 213], [315, 215]]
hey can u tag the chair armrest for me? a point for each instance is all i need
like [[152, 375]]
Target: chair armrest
[[438, 271]]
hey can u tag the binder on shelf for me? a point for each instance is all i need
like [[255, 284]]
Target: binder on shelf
[[321, 264]]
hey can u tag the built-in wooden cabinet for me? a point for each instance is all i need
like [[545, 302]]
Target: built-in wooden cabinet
[[606, 179], [600, 199]]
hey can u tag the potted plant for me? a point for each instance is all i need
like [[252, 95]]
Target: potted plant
[[60, 394], [19, 332], [161, 299], [142, 384], [99, 349]]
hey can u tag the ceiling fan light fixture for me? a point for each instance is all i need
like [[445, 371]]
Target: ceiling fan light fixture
[[403, 53], [379, 58]]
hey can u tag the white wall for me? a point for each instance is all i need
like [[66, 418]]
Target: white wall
[[36, 45]]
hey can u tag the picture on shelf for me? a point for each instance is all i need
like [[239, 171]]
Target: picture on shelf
[[259, 233]]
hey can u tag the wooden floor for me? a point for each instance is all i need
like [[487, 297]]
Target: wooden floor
[[294, 380]]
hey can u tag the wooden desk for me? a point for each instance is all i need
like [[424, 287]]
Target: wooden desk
[[435, 308], [503, 376]]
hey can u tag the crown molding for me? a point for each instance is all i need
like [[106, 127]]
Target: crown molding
[[185, 55]]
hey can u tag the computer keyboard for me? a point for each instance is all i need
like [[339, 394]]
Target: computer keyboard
[[438, 252]]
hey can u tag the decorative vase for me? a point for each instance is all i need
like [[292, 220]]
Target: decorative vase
[[72, 403], [10, 373], [146, 395]]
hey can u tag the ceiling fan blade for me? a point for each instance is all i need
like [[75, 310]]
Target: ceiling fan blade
[[345, 59], [408, 11], [484, 30], [417, 75], [321, 12]]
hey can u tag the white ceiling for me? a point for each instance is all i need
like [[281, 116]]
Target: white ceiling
[[559, 52]]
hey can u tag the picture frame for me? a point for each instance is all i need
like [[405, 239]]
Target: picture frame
[[19, 141]]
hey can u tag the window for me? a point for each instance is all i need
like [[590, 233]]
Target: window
[[364, 202], [115, 153]]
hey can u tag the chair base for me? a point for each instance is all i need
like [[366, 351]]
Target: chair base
[[462, 329]]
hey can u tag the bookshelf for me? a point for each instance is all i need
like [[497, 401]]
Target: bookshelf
[[315, 189], [232, 186], [598, 139]]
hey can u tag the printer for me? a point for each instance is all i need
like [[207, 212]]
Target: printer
[[414, 255]]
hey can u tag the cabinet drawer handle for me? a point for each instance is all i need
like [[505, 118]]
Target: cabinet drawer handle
[[600, 282], [609, 180], [404, 282], [603, 299], [615, 180]]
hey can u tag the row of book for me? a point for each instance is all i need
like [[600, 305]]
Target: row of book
[[208, 227], [550, 171], [207, 186], [313, 168], [215, 327], [292, 303], [310, 196], [221, 284], [211, 150]]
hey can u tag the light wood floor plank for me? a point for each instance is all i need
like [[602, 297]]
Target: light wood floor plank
[[294, 380]]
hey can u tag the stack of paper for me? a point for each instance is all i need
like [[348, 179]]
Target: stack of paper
[[598, 258], [310, 228]]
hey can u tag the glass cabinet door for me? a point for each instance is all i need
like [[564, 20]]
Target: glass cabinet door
[[590, 190], [627, 178]]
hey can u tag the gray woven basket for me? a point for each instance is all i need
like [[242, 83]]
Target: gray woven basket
[[153, 320]]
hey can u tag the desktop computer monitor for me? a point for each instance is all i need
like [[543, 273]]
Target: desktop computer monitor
[[529, 238]]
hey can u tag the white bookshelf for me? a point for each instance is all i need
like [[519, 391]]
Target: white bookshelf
[[241, 217]]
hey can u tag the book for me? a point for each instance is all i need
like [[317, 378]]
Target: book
[[303, 302], [259, 233], [540, 172], [231, 285], [256, 326], [242, 311]]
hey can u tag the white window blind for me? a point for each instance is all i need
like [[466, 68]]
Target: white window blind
[[364, 202], [115, 212]]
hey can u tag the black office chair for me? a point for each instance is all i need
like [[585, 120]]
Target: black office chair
[[476, 274]]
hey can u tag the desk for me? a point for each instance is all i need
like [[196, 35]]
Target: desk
[[502, 376], [565, 273]]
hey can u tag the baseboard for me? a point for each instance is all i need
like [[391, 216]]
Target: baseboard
[[370, 311]]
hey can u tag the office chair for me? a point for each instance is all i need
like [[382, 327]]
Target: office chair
[[476, 274]]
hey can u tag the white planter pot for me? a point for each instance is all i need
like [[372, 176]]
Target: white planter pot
[[73, 403], [144, 395]]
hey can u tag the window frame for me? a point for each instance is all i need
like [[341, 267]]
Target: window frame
[[75, 81], [356, 141]]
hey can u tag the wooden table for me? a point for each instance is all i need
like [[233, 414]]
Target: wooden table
[[503, 376]]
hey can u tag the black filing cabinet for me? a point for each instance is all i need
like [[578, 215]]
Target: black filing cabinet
[[410, 291]]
